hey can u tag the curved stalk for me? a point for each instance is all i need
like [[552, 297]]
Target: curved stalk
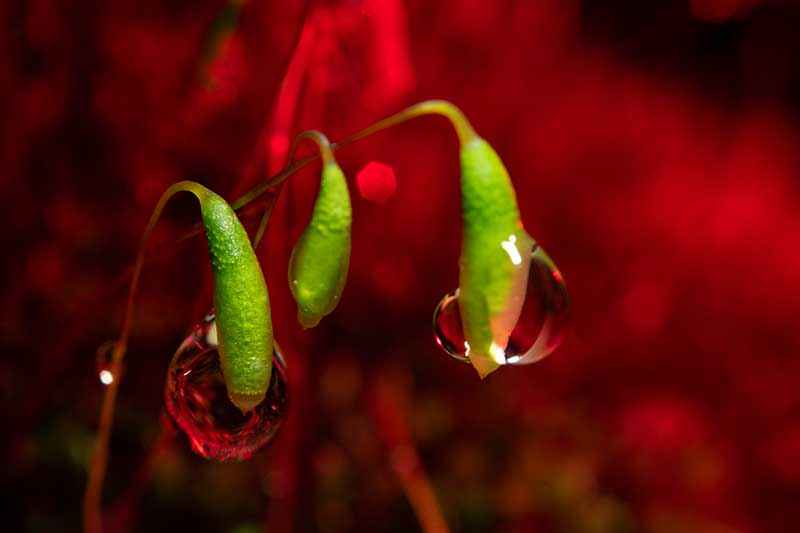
[[443, 108], [318, 138], [325, 151], [99, 461]]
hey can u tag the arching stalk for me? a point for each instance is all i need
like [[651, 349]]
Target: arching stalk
[[325, 151], [443, 108], [99, 461]]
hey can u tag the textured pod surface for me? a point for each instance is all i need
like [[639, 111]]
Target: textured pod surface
[[495, 255], [241, 303], [321, 258]]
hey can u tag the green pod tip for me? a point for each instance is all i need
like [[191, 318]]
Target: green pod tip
[[321, 257], [241, 304], [495, 256]]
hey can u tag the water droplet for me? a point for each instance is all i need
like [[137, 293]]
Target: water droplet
[[103, 363], [541, 324], [447, 328], [197, 400]]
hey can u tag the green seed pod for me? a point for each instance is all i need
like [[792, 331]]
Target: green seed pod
[[321, 258], [241, 304], [495, 256]]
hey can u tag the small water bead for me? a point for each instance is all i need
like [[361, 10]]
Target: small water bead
[[540, 327], [103, 363], [197, 400]]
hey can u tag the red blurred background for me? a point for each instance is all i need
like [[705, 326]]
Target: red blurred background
[[653, 146]]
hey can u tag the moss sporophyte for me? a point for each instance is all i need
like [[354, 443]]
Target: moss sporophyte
[[502, 269], [320, 260]]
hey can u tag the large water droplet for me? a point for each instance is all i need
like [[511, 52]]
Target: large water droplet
[[541, 324], [197, 400]]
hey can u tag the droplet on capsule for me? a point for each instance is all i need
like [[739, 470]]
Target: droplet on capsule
[[541, 324], [447, 328], [197, 400]]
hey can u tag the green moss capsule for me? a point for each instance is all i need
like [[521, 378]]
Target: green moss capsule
[[495, 253], [495, 256], [241, 304], [321, 258]]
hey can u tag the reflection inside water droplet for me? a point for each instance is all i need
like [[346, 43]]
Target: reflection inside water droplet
[[540, 326], [197, 400]]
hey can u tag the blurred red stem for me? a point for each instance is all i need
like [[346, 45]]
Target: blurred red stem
[[121, 514], [390, 410], [274, 142]]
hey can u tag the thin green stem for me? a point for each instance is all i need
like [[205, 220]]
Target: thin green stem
[[261, 188], [444, 108], [325, 151], [262, 226], [97, 469], [318, 138], [460, 123]]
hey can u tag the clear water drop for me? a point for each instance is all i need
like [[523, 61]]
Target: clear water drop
[[447, 328], [103, 363], [541, 324], [197, 400]]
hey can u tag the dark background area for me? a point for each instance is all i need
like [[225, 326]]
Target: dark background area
[[653, 146]]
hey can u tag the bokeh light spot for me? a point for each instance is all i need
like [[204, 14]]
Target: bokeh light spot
[[376, 182], [106, 377]]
